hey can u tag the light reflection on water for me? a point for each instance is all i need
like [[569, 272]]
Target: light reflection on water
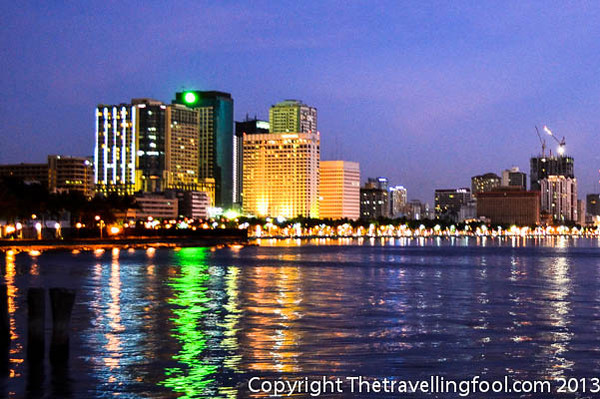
[[191, 304], [199, 322], [16, 352]]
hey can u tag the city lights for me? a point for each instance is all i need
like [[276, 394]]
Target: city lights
[[325, 199], [231, 214]]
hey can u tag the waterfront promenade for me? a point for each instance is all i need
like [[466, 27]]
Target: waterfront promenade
[[200, 239]]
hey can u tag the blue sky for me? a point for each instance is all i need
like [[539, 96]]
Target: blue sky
[[425, 93]]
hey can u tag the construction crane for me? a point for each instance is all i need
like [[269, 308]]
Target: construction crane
[[561, 143], [542, 141]]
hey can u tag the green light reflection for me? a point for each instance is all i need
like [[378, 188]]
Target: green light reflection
[[190, 304]]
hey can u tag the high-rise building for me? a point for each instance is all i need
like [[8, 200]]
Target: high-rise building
[[339, 190], [593, 204], [544, 166], [398, 201], [181, 160], [449, 201], [292, 116], [147, 146], [129, 153], [559, 198], [281, 174], [514, 178], [215, 140], [182, 152], [249, 126], [507, 205], [374, 199], [151, 124], [484, 183]]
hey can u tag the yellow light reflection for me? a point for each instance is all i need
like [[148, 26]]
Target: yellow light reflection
[[16, 350], [232, 318], [275, 349]]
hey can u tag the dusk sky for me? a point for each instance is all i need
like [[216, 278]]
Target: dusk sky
[[425, 93]]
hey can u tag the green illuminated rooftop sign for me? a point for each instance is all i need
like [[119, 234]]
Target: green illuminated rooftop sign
[[190, 97]]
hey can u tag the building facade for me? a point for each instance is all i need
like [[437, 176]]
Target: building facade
[[484, 183], [510, 207], [374, 203], [193, 204], [182, 160], [593, 204], [398, 201], [70, 174], [468, 211], [28, 172], [581, 212], [61, 174], [513, 177], [154, 205], [542, 167], [381, 183], [281, 174], [292, 116], [151, 137], [417, 210], [375, 199], [249, 126], [339, 190], [215, 140], [449, 201], [129, 153], [559, 198]]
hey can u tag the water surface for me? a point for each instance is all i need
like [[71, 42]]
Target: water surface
[[199, 322]]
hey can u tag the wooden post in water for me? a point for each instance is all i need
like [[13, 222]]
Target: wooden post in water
[[61, 302], [36, 324]]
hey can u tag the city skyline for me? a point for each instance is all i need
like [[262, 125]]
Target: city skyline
[[457, 88]]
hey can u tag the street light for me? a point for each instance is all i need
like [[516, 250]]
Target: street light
[[98, 219], [38, 228]]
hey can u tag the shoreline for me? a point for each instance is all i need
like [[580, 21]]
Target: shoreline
[[85, 244], [418, 237], [91, 244]]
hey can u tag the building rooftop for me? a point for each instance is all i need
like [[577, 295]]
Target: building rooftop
[[508, 192]]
